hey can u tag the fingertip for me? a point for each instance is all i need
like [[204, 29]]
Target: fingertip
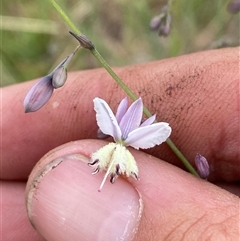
[[63, 202]]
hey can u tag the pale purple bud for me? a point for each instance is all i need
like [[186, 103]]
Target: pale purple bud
[[155, 23], [162, 22], [60, 72], [202, 166], [165, 26], [234, 6], [39, 94], [59, 77], [83, 40]]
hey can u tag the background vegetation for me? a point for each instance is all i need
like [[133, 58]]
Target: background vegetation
[[35, 38]]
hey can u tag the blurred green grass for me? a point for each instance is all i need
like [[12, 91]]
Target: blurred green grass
[[35, 38]]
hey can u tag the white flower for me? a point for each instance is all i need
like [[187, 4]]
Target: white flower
[[127, 130]]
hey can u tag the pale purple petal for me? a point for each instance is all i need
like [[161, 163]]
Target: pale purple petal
[[149, 136], [39, 94], [121, 110], [106, 119], [132, 118], [148, 121]]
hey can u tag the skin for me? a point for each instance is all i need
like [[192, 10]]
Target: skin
[[198, 94]]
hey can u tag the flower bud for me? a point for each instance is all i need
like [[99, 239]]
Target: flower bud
[[59, 77], [83, 41], [155, 23], [202, 166], [39, 94], [165, 26], [60, 72], [162, 22], [234, 6]]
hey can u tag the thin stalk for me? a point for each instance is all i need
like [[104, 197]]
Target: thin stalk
[[185, 162], [64, 16]]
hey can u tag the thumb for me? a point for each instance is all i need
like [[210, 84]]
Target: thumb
[[166, 204]]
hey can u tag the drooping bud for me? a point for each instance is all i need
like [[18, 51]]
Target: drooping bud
[[83, 40], [234, 6], [39, 94], [202, 166], [165, 26], [162, 22]]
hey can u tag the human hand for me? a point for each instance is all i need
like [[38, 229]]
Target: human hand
[[197, 94]]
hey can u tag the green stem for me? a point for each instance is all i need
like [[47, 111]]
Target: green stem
[[118, 80], [181, 157], [64, 16], [123, 86]]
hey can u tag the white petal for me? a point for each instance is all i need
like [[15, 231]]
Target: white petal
[[149, 136], [106, 119]]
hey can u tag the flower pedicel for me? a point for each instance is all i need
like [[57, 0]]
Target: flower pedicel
[[127, 130]]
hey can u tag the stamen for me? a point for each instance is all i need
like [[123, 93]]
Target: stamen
[[135, 175], [96, 170], [93, 163], [118, 169], [112, 177]]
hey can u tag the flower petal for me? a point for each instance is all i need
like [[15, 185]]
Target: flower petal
[[106, 119], [121, 110], [132, 118], [149, 136], [148, 121], [39, 94]]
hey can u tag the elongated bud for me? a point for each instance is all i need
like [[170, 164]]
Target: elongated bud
[[83, 41], [39, 94], [202, 166]]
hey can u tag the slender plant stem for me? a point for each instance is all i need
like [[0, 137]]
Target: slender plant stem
[[64, 16], [124, 87], [181, 157], [118, 80]]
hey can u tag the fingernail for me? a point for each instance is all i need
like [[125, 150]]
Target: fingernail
[[63, 203]]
